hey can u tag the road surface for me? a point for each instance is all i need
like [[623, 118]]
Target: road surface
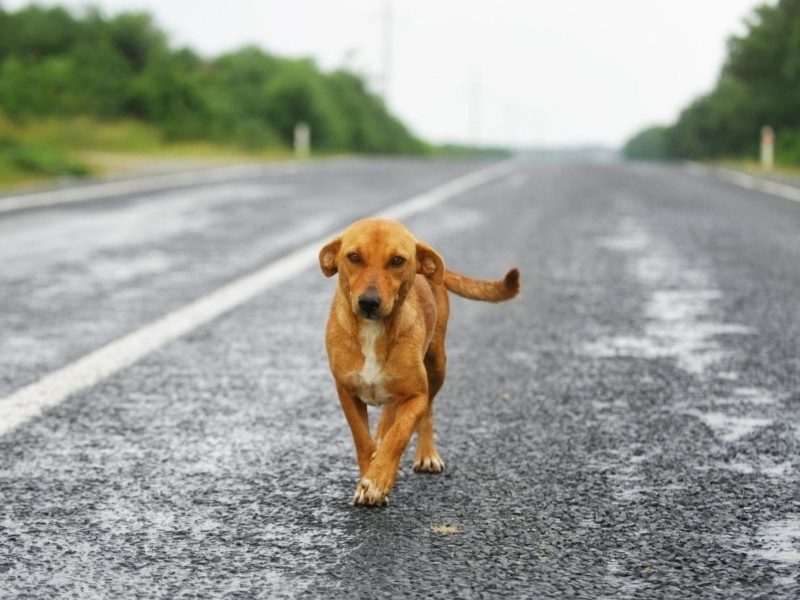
[[628, 427]]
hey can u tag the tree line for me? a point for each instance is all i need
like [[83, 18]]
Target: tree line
[[54, 63], [758, 85]]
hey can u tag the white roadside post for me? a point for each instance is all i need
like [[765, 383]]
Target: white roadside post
[[767, 147], [302, 140]]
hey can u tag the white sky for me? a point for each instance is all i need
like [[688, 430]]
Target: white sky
[[521, 72]]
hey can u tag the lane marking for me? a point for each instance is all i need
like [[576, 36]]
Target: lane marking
[[743, 180], [165, 181], [33, 399]]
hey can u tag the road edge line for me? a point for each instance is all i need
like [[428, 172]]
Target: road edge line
[[745, 180], [113, 189]]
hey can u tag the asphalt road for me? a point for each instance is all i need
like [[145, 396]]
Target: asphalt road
[[628, 427]]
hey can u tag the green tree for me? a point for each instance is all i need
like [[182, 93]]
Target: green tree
[[297, 94], [759, 85], [649, 144], [53, 63]]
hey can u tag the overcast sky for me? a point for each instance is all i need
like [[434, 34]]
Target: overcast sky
[[523, 72]]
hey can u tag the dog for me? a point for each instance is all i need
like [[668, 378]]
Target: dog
[[385, 341]]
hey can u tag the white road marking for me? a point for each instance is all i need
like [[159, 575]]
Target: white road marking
[[108, 189], [428, 200], [32, 400], [766, 186]]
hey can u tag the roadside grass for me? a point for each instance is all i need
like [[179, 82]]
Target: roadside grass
[[754, 167], [47, 150]]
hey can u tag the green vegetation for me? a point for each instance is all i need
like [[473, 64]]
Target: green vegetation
[[70, 84], [649, 144], [40, 149], [759, 85], [467, 151]]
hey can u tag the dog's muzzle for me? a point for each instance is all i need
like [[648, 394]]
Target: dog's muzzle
[[369, 304]]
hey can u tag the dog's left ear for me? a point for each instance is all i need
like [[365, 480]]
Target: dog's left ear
[[429, 263], [327, 257]]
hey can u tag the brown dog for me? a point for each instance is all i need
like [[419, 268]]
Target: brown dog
[[385, 341]]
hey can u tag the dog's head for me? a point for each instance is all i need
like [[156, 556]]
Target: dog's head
[[377, 261]]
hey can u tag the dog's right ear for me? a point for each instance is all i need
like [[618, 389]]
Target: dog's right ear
[[429, 263], [328, 257]]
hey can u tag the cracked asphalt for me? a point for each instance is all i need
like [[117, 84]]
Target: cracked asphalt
[[628, 427]]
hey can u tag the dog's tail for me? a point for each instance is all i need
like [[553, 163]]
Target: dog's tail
[[479, 289]]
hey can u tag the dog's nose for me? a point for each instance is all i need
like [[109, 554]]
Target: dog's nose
[[369, 302]]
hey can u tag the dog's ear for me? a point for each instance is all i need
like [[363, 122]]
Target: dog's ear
[[328, 257], [429, 263]]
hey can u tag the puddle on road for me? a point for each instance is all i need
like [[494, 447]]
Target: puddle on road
[[682, 322], [779, 543], [730, 428], [762, 465], [679, 313], [103, 230], [748, 395], [456, 220], [121, 269]]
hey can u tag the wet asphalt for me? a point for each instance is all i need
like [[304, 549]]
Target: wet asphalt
[[628, 427]]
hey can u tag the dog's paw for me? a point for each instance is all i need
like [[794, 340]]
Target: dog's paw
[[370, 494], [429, 463]]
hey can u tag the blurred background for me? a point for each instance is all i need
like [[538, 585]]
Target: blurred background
[[122, 84], [628, 427]]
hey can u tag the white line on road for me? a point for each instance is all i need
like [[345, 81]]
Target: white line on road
[[766, 186], [152, 183], [31, 400]]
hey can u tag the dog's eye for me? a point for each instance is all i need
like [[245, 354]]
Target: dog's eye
[[354, 258], [397, 261]]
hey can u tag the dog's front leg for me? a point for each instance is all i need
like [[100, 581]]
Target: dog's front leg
[[375, 485], [386, 421], [355, 411]]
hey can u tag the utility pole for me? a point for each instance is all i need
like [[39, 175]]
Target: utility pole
[[387, 19]]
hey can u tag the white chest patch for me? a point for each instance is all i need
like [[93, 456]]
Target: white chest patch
[[371, 377]]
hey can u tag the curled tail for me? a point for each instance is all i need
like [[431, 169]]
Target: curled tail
[[479, 289]]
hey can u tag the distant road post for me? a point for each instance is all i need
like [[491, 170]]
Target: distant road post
[[302, 140], [767, 147]]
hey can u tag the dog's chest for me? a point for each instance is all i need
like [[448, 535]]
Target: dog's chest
[[369, 381]]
